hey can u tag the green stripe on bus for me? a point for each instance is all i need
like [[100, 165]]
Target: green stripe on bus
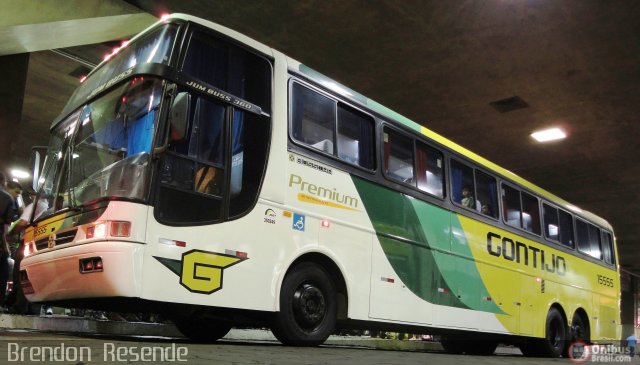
[[415, 238]]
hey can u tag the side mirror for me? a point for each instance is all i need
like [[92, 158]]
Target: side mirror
[[38, 155], [179, 116]]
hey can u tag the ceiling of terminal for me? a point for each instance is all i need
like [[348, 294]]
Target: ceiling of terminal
[[484, 74]]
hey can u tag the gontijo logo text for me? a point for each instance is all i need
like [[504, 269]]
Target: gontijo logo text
[[314, 194]]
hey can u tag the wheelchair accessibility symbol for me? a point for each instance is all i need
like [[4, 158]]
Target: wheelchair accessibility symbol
[[298, 222]]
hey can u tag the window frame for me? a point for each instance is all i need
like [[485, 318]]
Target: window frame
[[520, 191], [337, 101], [414, 142], [474, 170]]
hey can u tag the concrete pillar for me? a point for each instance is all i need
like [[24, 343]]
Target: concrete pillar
[[628, 303], [13, 73]]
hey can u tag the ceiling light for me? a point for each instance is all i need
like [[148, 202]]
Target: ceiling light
[[550, 134]]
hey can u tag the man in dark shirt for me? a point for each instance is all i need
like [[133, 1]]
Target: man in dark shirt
[[6, 214]]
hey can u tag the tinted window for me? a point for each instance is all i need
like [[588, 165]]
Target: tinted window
[[530, 213], [551, 223], [429, 170], [607, 248], [229, 68], [315, 118], [355, 137], [511, 205], [462, 186], [398, 157], [566, 229], [588, 239], [486, 188]]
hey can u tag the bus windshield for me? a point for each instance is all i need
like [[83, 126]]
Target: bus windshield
[[104, 150]]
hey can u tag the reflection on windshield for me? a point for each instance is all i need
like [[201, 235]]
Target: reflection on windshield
[[53, 161], [104, 151], [154, 47], [112, 146]]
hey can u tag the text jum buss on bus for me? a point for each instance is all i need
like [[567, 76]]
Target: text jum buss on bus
[[200, 174]]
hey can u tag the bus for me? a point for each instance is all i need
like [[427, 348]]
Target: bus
[[200, 174]]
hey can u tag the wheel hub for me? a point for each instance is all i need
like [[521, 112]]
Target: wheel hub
[[309, 306]]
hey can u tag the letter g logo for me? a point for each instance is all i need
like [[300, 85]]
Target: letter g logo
[[202, 271]]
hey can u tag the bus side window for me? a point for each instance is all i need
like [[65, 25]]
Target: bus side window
[[487, 194], [607, 248], [551, 225], [511, 206], [530, 213], [355, 137], [398, 157], [313, 119], [566, 229], [429, 170], [462, 185]]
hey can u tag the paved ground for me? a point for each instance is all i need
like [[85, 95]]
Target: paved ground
[[68, 340]]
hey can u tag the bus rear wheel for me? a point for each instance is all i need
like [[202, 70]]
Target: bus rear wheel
[[555, 341], [308, 308], [199, 330]]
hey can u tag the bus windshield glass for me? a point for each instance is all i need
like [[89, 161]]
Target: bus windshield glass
[[155, 47], [104, 151], [111, 149]]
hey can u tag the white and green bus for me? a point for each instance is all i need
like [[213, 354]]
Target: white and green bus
[[203, 175]]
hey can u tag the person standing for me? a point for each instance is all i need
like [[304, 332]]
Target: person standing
[[631, 344], [6, 215]]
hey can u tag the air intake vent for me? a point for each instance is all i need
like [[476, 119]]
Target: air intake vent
[[509, 104]]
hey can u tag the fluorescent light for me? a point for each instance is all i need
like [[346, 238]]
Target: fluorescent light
[[550, 134], [19, 174]]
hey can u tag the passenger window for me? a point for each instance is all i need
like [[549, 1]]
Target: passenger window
[[398, 157], [487, 188], [530, 213], [462, 186], [607, 248], [594, 242], [474, 189], [429, 170], [355, 137], [313, 119], [566, 229], [511, 205], [588, 239], [551, 224]]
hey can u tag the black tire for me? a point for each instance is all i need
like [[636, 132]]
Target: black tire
[[308, 307], [580, 329], [580, 332], [555, 341], [200, 330]]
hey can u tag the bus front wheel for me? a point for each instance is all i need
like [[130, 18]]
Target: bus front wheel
[[308, 307]]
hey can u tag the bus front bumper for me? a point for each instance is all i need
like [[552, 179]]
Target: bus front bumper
[[97, 269]]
